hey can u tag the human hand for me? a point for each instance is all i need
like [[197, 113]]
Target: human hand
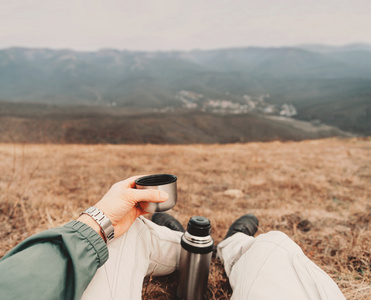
[[121, 205]]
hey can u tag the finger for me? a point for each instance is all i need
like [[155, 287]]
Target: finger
[[141, 211], [148, 195]]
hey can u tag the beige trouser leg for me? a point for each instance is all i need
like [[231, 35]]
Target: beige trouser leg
[[145, 249], [272, 266]]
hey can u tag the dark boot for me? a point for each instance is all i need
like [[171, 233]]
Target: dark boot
[[247, 224], [163, 219]]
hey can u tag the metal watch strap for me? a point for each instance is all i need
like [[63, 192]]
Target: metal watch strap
[[104, 223]]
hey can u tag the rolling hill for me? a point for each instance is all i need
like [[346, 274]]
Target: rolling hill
[[329, 84]]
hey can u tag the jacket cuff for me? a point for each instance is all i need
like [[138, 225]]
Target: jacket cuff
[[93, 238]]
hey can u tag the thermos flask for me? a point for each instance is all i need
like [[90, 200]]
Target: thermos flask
[[195, 257]]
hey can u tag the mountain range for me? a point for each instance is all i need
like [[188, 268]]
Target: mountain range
[[326, 84]]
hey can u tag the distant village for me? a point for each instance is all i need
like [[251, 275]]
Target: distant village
[[192, 100]]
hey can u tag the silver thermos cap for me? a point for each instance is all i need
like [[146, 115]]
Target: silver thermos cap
[[195, 258]]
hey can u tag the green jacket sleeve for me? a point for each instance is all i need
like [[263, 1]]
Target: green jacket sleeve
[[55, 264]]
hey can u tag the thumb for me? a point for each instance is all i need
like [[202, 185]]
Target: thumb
[[149, 195]]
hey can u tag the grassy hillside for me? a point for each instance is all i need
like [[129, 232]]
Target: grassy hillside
[[317, 192], [28, 123]]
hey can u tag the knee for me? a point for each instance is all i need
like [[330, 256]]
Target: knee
[[277, 234], [281, 239], [273, 236]]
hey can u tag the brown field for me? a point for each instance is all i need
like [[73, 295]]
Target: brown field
[[317, 192]]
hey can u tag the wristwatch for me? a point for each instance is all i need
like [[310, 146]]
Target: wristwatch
[[105, 224]]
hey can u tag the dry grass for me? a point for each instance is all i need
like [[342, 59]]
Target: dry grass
[[322, 186]]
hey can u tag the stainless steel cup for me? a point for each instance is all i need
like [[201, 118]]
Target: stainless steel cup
[[163, 182]]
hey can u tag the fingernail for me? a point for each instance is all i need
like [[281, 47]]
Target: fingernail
[[164, 195]]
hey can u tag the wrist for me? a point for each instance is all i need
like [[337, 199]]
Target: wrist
[[105, 225], [88, 220]]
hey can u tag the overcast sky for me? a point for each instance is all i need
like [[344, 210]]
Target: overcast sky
[[186, 24]]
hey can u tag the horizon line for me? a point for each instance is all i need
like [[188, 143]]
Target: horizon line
[[194, 49]]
